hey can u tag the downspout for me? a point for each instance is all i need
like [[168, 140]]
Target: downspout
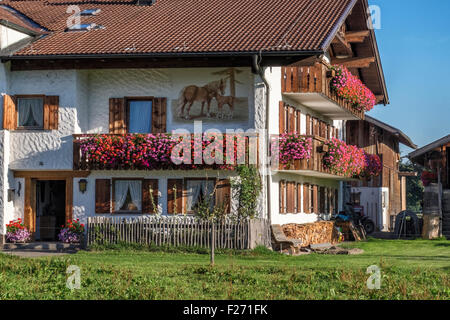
[[258, 70]]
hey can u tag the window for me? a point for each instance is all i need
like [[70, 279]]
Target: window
[[197, 191], [30, 112], [90, 12], [127, 196], [140, 115]]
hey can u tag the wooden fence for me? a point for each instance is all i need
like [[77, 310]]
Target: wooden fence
[[178, 231]]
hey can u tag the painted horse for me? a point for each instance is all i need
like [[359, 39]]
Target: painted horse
[[204, 94]]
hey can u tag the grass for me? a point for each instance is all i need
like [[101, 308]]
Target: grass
[[414, 269]]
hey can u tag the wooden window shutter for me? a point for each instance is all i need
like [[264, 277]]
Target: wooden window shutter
[[299, 121], [291, 119], [306, 201], [322, 200], [299, 197], [308, 125], [315, 199], [223, 194], [290, 195], [102, 196], [51, 108], [159, 115], [150, 196], [117, 116], [282, 120], [175, 196], [9, 113], [336, 200], [282, 197]]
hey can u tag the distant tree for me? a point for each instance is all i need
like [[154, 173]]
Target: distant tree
[[414, 186]]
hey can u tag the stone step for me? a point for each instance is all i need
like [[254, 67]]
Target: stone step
[[41, 246]]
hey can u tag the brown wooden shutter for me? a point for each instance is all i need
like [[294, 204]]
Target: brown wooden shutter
[[290, 192], [291, 119], [51, 108], [117, 116], [159, 115], [150, 199], [315, 199], [322, 200], [175, 199], [306, 207], [308, 125], [223, 194], [102, 196], [282, 120], [9, 112], [299, 121], [336, 201], [282, 197], [298, 198]]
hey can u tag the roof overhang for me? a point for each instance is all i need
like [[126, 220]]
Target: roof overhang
[[421, 155], [402, 137]]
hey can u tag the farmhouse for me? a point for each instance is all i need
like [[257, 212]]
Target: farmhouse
[[384, 196], [435, 159], [95, 91]]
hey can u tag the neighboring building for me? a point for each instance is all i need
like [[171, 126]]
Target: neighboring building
[[435, 158], [382, 197], [138, 67]]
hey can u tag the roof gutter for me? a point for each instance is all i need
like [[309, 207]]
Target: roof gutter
[[167, 54]]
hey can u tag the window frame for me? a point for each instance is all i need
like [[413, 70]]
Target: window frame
[[29, 96], [113, 196], [127, 110], [185, 182]]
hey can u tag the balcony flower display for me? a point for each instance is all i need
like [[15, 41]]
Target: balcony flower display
[[344, 159], [373, 165], [153, 151], [428, 177], [350, 161], [293, 147], [17, 232], [72, 233], [350, 88]]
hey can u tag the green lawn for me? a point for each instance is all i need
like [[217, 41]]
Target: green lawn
[[414, 269]]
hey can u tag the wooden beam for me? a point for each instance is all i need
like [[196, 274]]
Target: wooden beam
[[342, 43], [356, 36], [354, 62], [51, 175]]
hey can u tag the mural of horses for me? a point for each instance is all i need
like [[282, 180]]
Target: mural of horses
[[205, 94]]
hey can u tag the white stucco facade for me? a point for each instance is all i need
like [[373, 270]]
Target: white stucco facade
[[84, 108]]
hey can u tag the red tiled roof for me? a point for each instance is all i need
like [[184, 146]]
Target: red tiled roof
[[185, 26]]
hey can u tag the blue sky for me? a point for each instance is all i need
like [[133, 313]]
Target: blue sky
[[414, 44]]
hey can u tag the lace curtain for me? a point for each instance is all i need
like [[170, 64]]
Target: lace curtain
[[31, 112], [122, 188], [195, 189]]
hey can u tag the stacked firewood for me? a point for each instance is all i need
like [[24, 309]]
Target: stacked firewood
[[312, 233]]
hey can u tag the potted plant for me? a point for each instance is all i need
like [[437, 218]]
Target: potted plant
[[72, 233], [16, 232]]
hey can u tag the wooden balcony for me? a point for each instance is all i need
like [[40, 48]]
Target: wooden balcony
[[312, 167], [246, 147], [310, 86]]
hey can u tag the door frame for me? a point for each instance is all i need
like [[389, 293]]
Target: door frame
[[31, 177]]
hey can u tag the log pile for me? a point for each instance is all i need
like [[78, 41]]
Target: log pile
[[312, 233]]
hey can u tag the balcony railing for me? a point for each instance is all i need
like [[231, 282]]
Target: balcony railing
[[310, 86], [312, 166], [153, 152]]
